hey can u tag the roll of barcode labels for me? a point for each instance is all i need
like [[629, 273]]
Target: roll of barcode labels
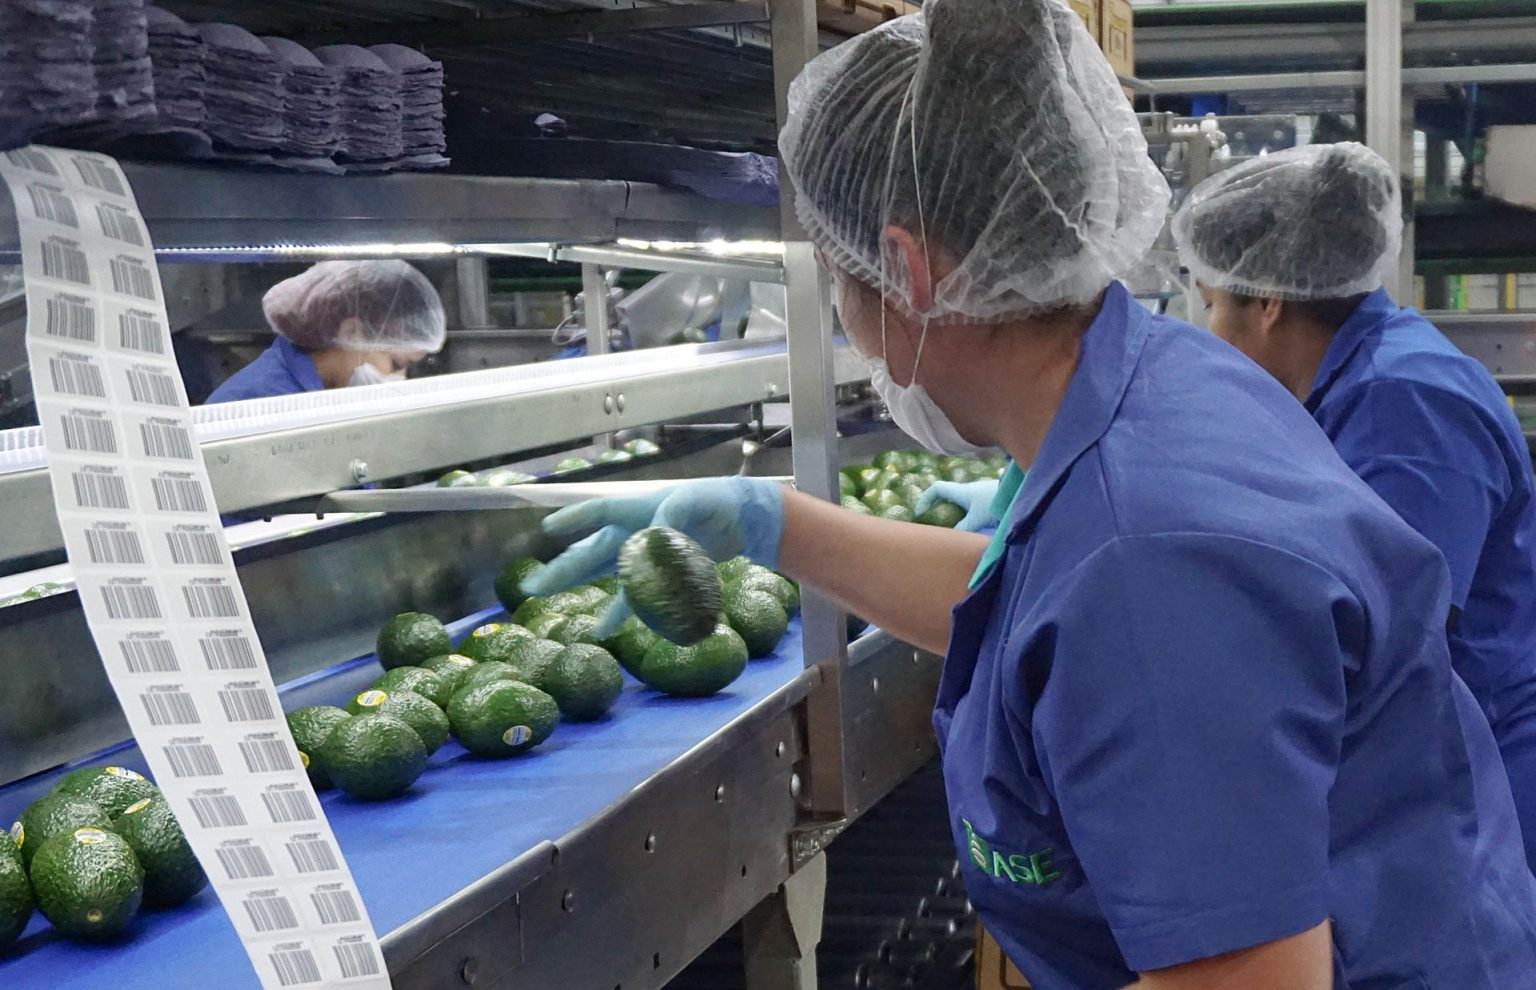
[[156, 579]]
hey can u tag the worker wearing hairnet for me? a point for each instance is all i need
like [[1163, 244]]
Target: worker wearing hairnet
[[1290, 252], [1197, 717], [342, 323]]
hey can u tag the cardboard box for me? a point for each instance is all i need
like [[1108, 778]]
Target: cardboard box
[[993, 970], [1115, 35], [1088, 10]]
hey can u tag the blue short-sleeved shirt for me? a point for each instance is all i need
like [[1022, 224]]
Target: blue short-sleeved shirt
[[281, 369], [1429, 429], [1203, 700]]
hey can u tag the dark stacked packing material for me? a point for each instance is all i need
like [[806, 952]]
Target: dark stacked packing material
[[120, 42], [177, 58], [244, 94], [47, 79], [369, 125], [421, 101], [311, 91]]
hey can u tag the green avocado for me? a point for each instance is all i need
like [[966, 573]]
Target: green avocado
[[374, 757], [671, 584], [425, 719], [584, 680], [502, 718], [411, 637], [695, 671], [309, 727], [52, 815], [88, 883], [113, 788], [171, 871]]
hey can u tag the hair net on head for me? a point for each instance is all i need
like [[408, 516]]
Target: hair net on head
[[995, 128], [1318, 222], [358, 305]]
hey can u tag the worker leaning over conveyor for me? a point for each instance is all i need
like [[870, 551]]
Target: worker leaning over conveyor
[[1290, 252], [1197, 716], [339, 324]]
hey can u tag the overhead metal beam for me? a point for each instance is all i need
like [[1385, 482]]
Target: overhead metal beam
[[542, 27], [1424, 75]]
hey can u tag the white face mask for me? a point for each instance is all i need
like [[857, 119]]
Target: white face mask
[[367, 374]]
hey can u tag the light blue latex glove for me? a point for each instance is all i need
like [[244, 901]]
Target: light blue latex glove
[[728, 517], [975, 497]]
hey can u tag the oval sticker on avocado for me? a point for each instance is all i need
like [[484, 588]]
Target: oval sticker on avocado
[[136, 807], [486, 629], [18, 833], [517, 735], [372, 699], [89, 836], [304, 759], [125, 772]]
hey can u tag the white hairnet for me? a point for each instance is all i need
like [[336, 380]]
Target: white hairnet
[[1318, 222], [996, 129], [358, 305]]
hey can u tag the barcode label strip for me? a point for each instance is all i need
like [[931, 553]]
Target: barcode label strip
[[270, 913], [357, 959], [312, 855], [70, 318], [217, 811], [62, 260], [90, 434], [194, 548], [284, 807], [178, 495], [132, 278], [139, 332], [29, 158], [131, 601], [193, 760], [169, 708], [114, 546], [227, 653], [335, 907], [166, 440], [53, 205], [99, 491], [76, 377], [246, 704], [294, 967], [152, 388], [244, 862], [211, 601], [98, 176], [267, 755], [149, 656], [118, 224]]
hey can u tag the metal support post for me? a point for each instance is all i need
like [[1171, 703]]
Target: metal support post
[[779, 936], [474, 293], [795, 42], [1384, 130], [594, 294]]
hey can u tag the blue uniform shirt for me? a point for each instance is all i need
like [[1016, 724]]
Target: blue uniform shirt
[[281, 369], [1203, 699]]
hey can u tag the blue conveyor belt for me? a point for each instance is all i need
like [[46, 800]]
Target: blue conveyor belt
[[463, 819]]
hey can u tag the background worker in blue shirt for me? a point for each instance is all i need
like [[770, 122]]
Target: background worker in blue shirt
[[1290, 252], [342, 323], [1197, 716]]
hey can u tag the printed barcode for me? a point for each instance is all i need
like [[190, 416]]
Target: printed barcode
[[357, 959], [99, 491], [149, 656], [89, 433], [295, 967], [63, 260], [34, 160], [270, 912], [336, 907], [217, 810], [74, 376], [288, 806], [193, 760], [51, 204], [97, 175], [166, 440], [246, 704], [243, 861], [169, 708], [131, 601], [152, 388], [267, 755], [312, 855], [178, 495], [118, 224], [194, 548], [227, 653], [132, 278], [70, 317], [210, 601], [138, 332], [114, 546]]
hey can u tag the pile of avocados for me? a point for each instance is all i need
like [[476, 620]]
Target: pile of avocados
[[890, 485], [503, 688], [91, 853], [501, 477]]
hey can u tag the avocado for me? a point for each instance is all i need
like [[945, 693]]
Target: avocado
[[451, 667], [504, 478], [53, 814], [695, 671], [16, 901], [310, 726], [572, 602], [590, 600], [113, 788], [608, 584], [425, 718], [584, 680], [492, 641], [531, 608], [846, 486], [171, 871], [629, 642], [373, 757], [671, 584], [641, 447], [734, 569], [88, 883], [942, 513], [855, 505], [569, 465], [411, 637], [614, 457], [777, 585], [877, 500], [458, 479], [757, 617], [909, 491], [543, 624], [493, 670], [434, 688], [502, 718], [900, 513], [508, 579], [575, 629], [530, 661]]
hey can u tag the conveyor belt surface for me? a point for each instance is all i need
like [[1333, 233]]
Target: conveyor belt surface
[[463, 819]]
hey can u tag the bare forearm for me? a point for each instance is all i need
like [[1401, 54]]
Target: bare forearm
[[902, 577]]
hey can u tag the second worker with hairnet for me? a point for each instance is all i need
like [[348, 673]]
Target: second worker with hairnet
[[340, 324], [1290, 252], [1197, 717]]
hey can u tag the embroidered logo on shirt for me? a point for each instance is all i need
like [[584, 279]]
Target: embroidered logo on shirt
[[1034, 868]]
